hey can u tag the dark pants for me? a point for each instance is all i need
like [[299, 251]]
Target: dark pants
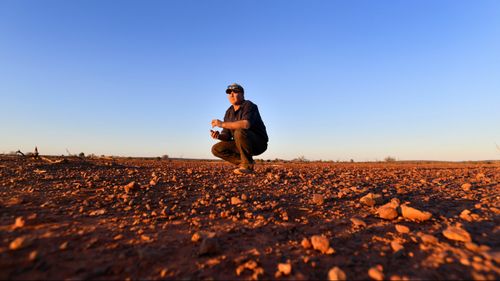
[[240, 151]]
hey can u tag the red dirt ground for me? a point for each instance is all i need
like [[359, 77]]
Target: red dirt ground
[[159, 219]]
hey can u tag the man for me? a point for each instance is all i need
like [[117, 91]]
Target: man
[[243, 132]]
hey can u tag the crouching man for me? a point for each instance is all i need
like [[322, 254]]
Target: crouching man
[[243, 132]]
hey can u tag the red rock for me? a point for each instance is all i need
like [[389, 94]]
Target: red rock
[[457, 234], [335, 273], [376, 273], [305, 243], [18, 243], [414, 214], [318, 199], [236, 201], [402, 228], [130, 186], [371, 199], [285, 268], [396, 246], [358, 222], [388, 213], [466, 186], [321, 243], [19, 223]]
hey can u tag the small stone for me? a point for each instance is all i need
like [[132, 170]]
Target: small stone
[[358, 222], [376, 273], [466, 186], [97, 212], [63, 246], [244, 197], [285, 268], [163, 272], [394, 203], [335, 273], [465, 215], [428, 239], [235, 201], [396, 246], [209, 246], [196, 237], [306, 243], [19, 223], [457, 234], [321, 243], [388, 213], [472, 246], [402, 228], [371, 199], [131, 186], [318, 199], [33, 255], [18, 243], [414, 214]]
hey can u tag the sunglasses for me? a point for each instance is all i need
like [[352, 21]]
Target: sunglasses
[[228, 91]]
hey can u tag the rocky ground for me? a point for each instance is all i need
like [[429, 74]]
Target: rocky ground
[[160, 219]]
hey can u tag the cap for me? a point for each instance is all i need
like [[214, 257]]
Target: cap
[[234, 87]]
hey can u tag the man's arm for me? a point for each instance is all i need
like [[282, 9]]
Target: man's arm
[[241, 124]]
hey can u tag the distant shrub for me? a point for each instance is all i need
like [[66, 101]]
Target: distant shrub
[[301, 158], [81, 155], [165, 157], [389, 159]]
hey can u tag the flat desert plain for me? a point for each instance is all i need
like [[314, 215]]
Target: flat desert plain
[[125, 218]]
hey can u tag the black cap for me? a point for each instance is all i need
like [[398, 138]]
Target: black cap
[[234, 87]]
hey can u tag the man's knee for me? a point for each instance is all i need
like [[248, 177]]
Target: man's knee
[[216, 149]]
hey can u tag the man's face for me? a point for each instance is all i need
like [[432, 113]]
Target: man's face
[[235, 98]]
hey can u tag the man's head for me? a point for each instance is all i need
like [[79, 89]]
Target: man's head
[[235, 94]]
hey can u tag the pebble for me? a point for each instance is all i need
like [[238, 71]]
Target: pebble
[[465, 215], [321, 243], [371, 199], [63, 246], [396, 246], [457, 234], [285, 268], [388, 213], [196, 237], [428, 239], [33, 255], [306, 243], [358, 222], [318, 199], [235, 201], [376, 273], [335, 273], [394, 203], [402, 228], [18, 243], [19, 223], [466, 186], [414, 214], [131, 186]]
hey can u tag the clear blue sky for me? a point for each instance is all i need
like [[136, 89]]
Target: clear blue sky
[[334, 80]]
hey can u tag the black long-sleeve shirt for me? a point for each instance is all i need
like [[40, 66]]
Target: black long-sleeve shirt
[[247, 111]]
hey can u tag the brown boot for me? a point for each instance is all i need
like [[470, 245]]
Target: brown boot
[[244, 169]]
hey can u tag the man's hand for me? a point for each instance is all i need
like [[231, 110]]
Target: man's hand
[[214, 134], [216, 123]]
